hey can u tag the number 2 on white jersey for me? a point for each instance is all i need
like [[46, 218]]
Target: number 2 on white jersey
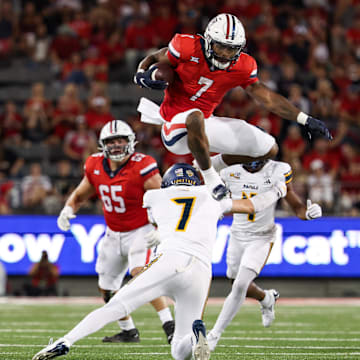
[[109, 195], [202, 81], [188, 204]]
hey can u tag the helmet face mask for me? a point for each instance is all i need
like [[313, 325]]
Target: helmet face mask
[[117, 140], [180, 174], [117, 147], [224, 40]]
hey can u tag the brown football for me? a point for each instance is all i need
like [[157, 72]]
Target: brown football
[[163, 72]]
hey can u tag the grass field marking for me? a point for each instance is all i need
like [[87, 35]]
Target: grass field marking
[[272, 331], [288, 339], [96, 300], [225, 338], [265, 331], [293, 347], [112, 346], [99, 346], [291, 354], [223, 354]]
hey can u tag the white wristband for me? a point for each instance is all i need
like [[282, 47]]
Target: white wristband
[[302, 118], [211, 177]]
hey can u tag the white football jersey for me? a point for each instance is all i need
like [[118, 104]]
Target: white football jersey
[[186, 217], [244, 185]]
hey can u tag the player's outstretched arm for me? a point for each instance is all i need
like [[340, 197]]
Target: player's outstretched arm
[[279, 105], [261, 201], [309, 211]]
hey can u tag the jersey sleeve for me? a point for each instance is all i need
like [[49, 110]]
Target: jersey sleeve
[[251, 73], [179, 48], [88, 167], [284, 172], [148, 167]]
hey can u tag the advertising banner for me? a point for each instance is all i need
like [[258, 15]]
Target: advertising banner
[[328, 247]]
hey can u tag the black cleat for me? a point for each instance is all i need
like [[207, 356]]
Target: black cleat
[[126, 336], [169, 328]]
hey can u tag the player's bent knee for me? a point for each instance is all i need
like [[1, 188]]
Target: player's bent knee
[[194, 120]]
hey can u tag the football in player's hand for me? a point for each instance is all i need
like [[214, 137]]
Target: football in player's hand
[[163, 72]]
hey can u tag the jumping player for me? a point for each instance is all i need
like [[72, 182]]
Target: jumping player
[[119, 176], [207, 67]]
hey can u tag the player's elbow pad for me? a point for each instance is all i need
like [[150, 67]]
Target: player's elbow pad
[[265, 200]]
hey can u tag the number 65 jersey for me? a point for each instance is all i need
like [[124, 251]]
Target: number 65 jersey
[[243, 185], [121, 191], [186, 217]]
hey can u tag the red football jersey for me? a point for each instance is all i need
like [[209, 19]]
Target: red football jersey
[[196, 85], [121, 191]]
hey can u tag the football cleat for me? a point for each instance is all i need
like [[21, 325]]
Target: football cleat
[[169, 328], [212, 340], [219, 192], [268, 312], [201, 349], [126, 336], [58, 348]]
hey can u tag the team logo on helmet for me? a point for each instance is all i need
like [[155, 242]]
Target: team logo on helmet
[[180, 174]]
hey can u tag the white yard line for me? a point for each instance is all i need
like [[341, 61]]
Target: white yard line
[[212, 301]]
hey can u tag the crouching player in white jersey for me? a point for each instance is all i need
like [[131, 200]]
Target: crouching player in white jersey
[[252, 237], [186, 216]]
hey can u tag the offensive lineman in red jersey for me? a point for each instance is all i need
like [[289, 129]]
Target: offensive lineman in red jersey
[[119, 176], [207, 67]]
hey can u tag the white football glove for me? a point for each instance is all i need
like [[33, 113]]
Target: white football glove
[[66, 214], [313, 211], [152, 238]]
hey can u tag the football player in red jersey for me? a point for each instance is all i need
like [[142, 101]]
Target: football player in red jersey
[[119, 176], [207, 67]]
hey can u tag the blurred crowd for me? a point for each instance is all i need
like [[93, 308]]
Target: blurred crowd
[[307, 50]]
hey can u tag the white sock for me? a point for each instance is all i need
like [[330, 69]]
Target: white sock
[[126, 324], [165, 315], [218, 162], [266, 301], [211, 177]]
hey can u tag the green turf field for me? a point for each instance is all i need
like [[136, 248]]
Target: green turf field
[[299, 332]]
